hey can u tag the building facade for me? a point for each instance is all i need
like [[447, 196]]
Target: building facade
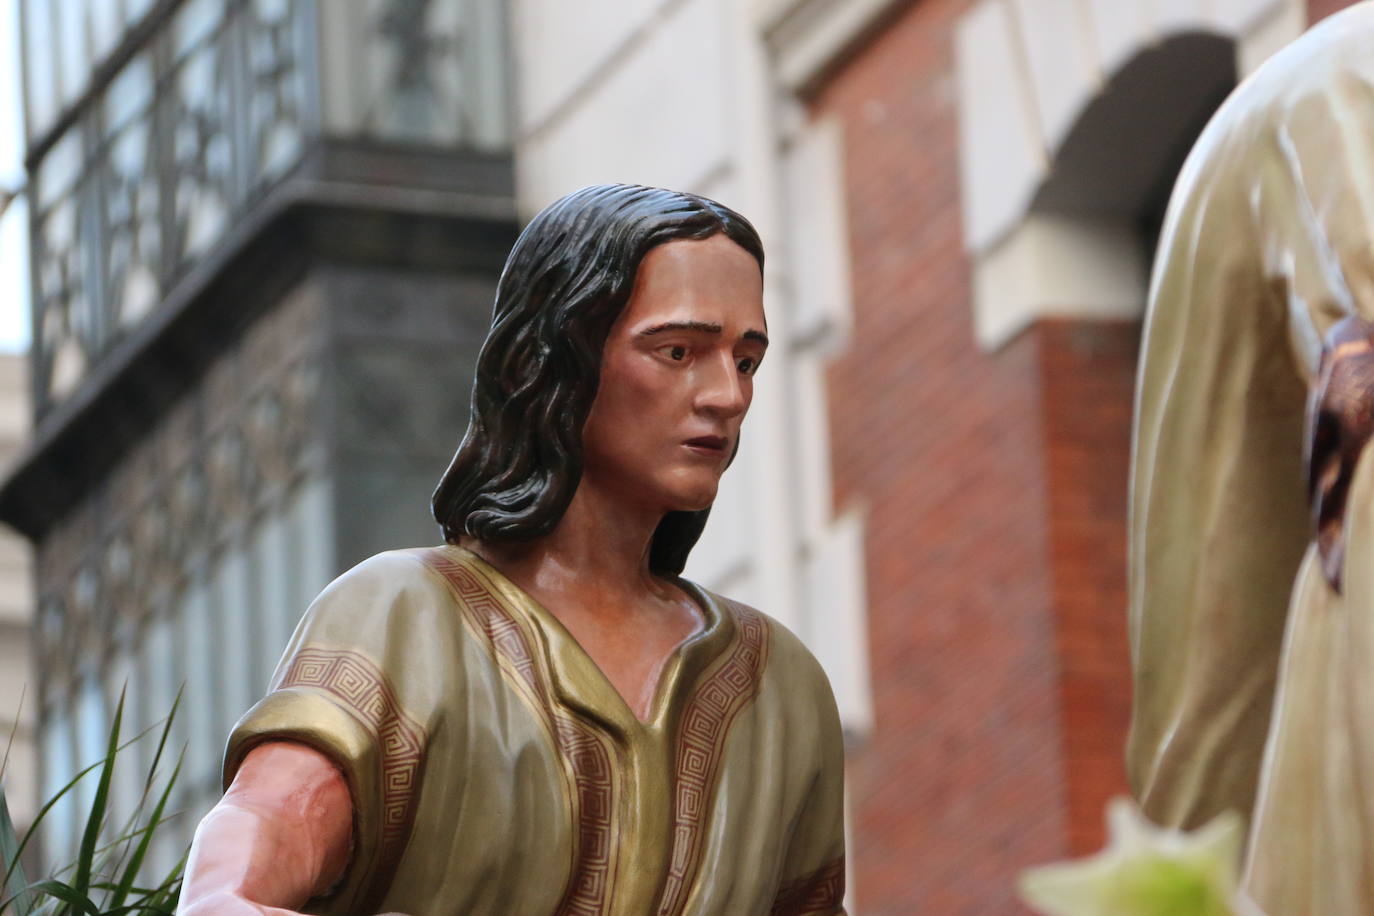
[[960, 200], [1007, 166], [18, 693], [265, 237], [266, 234]]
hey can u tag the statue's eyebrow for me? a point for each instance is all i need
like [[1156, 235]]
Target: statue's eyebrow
[[705, 327]]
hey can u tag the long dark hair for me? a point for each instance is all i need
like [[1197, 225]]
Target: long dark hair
[[566, 281]]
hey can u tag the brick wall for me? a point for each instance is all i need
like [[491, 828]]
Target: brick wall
[[996, 493], [1320, 9], [961, 783], [1087, 386]]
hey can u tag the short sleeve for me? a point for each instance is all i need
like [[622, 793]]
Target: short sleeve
[[360, 682], [813, 875]]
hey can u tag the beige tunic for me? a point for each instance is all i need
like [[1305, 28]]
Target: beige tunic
[[1269, 241], [494, 769]]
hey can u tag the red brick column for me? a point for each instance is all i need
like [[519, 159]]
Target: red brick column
[[1320, 9], [1088, 383], [961, 785]]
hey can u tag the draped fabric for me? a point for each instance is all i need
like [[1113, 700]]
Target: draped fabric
[[1268, 242], [494, 769]]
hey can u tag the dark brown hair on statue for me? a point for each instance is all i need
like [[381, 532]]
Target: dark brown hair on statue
[[566, 281]]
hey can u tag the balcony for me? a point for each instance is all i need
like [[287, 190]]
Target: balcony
[[164, 137]]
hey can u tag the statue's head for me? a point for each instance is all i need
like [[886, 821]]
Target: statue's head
[[567, 281]]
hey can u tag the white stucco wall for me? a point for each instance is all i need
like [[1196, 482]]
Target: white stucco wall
[[1027, 69], [686, 94]]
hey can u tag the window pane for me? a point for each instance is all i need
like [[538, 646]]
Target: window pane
[[276, 596], [107, 27], [129, 94], [202, 166], [14, 276], [276, 86], [161, 677], [92, 737], [39, 43], [194, 24], [60, 169], [312, 518], [238, 688], [74, 53], [134, 10], [199, 645], [132, 217], [58, 767], [127, 783]]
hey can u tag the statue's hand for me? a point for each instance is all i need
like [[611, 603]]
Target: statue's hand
[[228, 904], [1340, 420]]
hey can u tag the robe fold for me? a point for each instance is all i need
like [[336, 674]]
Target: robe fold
[[1254, 679]]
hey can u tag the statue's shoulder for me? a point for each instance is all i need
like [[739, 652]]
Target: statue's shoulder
[[391, 567], [787, 657], [1308, 76], [392, 579]]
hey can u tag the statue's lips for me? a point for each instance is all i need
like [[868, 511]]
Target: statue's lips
[[711, 446]]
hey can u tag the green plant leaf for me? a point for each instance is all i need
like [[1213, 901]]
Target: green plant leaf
[[169, 891], [9, 744], [93, 873], [96, 818], [68, 895], [161, 745], [9, 852], [32, 831], [126, 882], [42, 813]]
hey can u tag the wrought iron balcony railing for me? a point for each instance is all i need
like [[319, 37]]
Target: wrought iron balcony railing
[[197, 112]]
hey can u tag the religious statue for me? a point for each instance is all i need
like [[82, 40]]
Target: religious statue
[[1252, 526], [541, 716]]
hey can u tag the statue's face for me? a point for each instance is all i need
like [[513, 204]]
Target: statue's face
[[677, 376]]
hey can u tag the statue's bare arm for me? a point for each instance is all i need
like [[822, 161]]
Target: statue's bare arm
[[279, 836]]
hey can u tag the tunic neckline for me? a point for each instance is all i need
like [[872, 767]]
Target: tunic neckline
[[578, 681]]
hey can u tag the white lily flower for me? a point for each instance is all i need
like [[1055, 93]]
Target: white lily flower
[[1147, 871]]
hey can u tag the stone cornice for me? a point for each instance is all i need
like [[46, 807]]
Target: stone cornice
[[456, 212], [807, 37]]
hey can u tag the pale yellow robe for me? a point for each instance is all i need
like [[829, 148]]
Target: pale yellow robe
[[494, 769], [1269, 241]]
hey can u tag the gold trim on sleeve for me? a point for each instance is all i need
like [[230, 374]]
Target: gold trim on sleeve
[[356, 682], [822, 891]]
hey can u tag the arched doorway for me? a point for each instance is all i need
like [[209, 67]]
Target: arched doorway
[[1061, 234]]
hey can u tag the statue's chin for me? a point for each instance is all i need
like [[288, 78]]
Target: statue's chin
[[694, 502]]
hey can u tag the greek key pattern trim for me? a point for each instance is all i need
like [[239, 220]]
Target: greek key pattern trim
[[705, 723], [585, 754], [360, 685], [822, 891]]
